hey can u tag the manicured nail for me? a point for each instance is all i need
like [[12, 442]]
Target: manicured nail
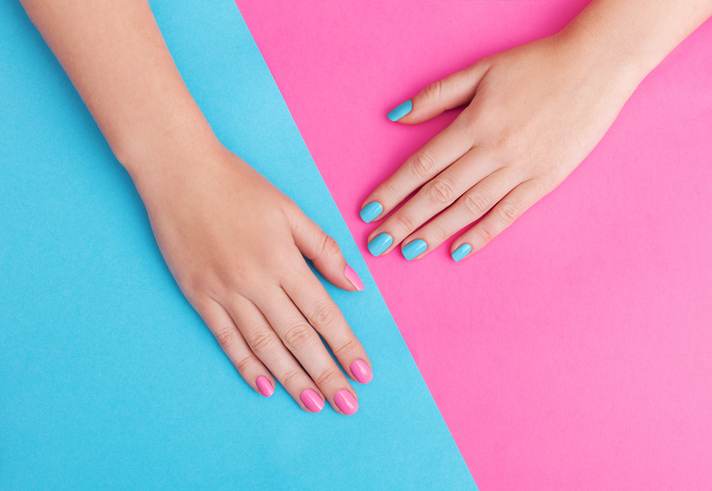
[[379, 244], [371, 211], [400, 110], [461, 252], [352, 276], [264, 386], [361, 371], [414, 249], [346, 402], [311, 400]]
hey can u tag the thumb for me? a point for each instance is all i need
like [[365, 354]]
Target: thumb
[[323, 251], [450, 92]]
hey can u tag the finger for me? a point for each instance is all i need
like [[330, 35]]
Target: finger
[[470, 207], [302, 340], [310, 297], [511, 207], [446, 147], [431, 199], [266, 345], [323, 251], [233, 344], [450, 92]]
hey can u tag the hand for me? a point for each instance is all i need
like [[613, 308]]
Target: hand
[[235, 246], [533, 114]]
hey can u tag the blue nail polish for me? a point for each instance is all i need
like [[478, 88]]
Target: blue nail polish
[[371, 211], [380, 243], [414, 249], [400, 110], [461, 252]]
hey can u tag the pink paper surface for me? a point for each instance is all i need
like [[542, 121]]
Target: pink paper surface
[[575, 352]]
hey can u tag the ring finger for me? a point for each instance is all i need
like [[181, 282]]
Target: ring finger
[[267, 346], [469, 208]]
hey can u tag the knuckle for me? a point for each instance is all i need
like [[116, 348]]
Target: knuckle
[[441, 191], [438, 233], [243, 363], [345, 348], [224, 336], [422, 164], [486, 233], [404, 221], [328, 246], [476, 203], [326, 376], [289, 376], [508, 212], [262, 342], [323, 315], [298, 335], [433, 91], [198, 284]]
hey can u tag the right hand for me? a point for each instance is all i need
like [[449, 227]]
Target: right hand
[[236, 247]]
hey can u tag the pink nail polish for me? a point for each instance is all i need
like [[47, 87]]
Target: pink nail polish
[[346, 402], [353, 278], [361, 371], [264, 386], [311, 400]]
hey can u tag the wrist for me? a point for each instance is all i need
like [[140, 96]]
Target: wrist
[[609, 55], [167, 150]]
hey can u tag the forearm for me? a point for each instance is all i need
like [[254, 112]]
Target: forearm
[[635, 34], [116, 57]]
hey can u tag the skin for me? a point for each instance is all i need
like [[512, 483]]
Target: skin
[[531, 115], [235, 244]]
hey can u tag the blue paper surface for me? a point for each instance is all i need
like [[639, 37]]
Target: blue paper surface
[[108, 379]]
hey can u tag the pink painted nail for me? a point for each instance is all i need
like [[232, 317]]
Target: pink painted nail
[[353, 278], [361, 371], [264, 386], [311, 400], [346, 402]]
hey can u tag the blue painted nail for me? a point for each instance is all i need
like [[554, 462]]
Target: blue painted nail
[[379, 244], [461, 252], [414, 249], [371, 211], [400, 110]]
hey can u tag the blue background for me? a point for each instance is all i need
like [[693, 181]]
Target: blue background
[[108, 378]]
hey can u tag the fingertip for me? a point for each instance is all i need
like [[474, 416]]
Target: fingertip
[[461, 252], [264, 386], [361, 371], [370, 211], [346, 402], [311, 400], [400, 111]]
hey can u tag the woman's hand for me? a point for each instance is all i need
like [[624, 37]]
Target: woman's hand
[[235, 245], [533, 114]]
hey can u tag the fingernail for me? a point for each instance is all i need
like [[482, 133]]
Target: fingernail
[[352, 276], [311, 400], [400, 110], [346, 402], [414, 249], [379, 244], [461, 252], [371, 211], [361, 371], [264, 386]]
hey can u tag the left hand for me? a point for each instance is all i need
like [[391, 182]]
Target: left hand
[[533, 114]]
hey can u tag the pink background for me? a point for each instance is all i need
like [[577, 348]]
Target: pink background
[[575, 352]]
